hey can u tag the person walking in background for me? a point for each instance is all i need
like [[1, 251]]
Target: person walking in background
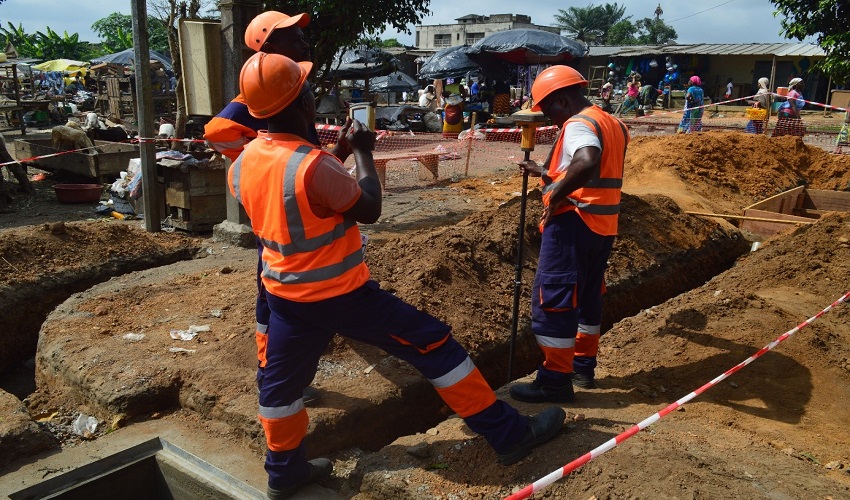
[[729, 88], [694, 100], [305, 206], [789, 121], [582, 181], [760, 102]]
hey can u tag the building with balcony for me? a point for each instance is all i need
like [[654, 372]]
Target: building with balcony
[[471, 28]]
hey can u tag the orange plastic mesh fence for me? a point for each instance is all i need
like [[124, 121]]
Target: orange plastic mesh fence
[[421, 159]]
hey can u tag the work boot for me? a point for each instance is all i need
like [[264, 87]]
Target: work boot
[[584, 381], [538, 392], [320, 468], [541, 428]]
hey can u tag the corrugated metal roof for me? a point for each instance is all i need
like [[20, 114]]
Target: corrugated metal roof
[[712, 49]]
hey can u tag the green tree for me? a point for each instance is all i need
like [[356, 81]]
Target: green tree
[[50, 45], [591, 24], [654, 32], [623, 33], [340, 24], [646, 31], [116, 33], [391, 42], [822, 19]]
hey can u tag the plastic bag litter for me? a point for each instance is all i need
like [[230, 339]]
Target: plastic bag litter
[[84, 425], [181, 349], [189, 334], [133, 337]]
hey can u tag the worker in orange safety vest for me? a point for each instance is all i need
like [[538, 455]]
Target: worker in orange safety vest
[[276, 33], [304, 207], [581, 182]]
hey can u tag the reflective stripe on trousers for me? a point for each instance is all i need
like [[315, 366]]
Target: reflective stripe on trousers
[[300, 331]]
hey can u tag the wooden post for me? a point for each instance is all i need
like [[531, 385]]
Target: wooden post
[[828, 86], [472, 120], [144, 103]]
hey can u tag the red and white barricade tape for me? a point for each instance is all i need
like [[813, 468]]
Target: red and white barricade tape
[[611, 443]]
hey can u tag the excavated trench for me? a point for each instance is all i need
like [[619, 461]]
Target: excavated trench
[[639, 277]]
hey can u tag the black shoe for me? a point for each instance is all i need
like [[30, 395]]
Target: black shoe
[[320, 468], [310, 396], [584, 381], [537, 392], [541, 428]]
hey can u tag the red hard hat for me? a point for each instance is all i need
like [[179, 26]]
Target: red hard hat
[[261, 27], [552, 79], [271, 82]]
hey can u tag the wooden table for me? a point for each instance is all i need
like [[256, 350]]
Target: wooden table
[[429, 169]]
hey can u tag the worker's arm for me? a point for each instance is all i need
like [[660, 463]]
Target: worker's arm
[[583, 167], [532, 168], [367, 208]]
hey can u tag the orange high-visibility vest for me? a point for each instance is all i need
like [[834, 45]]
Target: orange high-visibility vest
[[598, 201], [305, 258]]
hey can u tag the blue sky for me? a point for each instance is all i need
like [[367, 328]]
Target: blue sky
[[711, 21]]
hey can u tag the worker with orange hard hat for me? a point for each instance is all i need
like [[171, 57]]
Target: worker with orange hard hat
[[581, 182], [228, 132], [304, 208]]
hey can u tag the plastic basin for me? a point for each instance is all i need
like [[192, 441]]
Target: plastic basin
[[78, 193]]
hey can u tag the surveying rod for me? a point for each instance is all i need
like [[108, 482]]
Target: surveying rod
[[528, 121]]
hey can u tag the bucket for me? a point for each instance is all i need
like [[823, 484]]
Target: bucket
[[78, 193], [783, 91]]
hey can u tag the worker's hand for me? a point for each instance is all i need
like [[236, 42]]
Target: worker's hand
[[530, 167], [548, 212], [342, 149], [359, 137]]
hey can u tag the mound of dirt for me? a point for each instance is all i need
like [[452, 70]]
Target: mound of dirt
[[42, 265], [774, 428], [726, 171]]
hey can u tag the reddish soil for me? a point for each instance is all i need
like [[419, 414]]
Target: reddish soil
[[773, 430]]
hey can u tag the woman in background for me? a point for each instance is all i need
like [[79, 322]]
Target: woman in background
[[632, 93], [789, 121], [694, 99], [453, 116], [761, 101]]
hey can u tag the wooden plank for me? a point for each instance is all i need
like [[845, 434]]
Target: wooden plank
[[778, 223], [823, 199], [778, 219], [779, 203]]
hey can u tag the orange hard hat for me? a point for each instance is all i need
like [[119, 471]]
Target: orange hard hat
[[261, 27], [552, 79], [271, 82]]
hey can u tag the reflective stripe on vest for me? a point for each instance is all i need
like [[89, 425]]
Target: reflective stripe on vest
[[318, 258], [598, 201]]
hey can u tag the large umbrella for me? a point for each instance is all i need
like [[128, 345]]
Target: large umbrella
[[527, 46], [451, 62], [394, 82], [363, 62], [126, 57], [62, 65]]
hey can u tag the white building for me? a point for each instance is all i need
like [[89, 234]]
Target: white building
[[471, 28]]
